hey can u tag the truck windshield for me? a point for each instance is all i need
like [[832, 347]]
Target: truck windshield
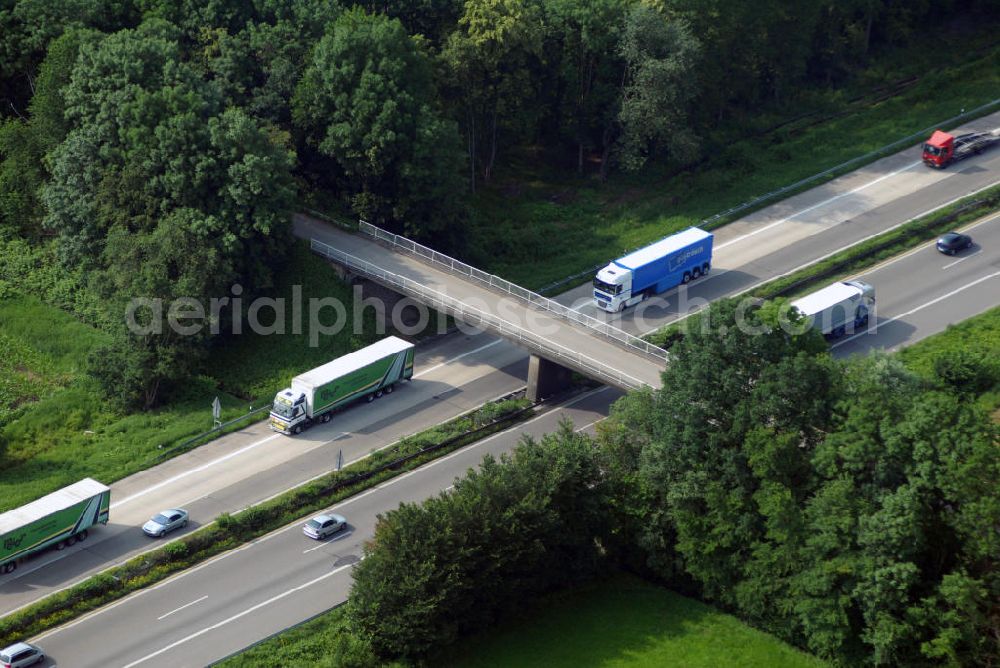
[[933, 150], [607, 288], [282, 408]]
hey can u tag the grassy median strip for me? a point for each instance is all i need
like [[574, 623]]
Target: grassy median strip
[[231, 530], [860, 256]]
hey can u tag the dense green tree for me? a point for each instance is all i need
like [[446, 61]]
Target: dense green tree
[[491, 60], [516, 527], [28, 26], [259, 66], [658, 86], [24, 145], [161, 193], [434, 19], [367, 103], [586, 34]]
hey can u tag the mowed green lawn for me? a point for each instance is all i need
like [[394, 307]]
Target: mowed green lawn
[[625, 622]]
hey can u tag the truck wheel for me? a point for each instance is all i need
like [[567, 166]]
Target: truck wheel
[[705, 268], [695, 273], [378, 395], [687, 278], [298, 429], [325, 418], [9, 567], [61, 545], [388, 389], [370, 398], [82, 536]]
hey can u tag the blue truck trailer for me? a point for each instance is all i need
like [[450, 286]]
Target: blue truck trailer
[[672, 261]]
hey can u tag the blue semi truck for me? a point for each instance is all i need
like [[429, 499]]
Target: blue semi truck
[[677, 259]]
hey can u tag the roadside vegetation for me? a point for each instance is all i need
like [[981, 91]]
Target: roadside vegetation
[[232, 530], [965, 356], [624, 622]]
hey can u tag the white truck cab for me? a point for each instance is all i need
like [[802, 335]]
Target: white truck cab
[[613, 288]]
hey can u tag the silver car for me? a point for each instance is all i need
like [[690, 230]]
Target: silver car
[[20, 654], [322, 526], [165, 522]]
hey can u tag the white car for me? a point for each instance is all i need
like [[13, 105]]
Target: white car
[[19, 655], [165, 521], [322, 526]]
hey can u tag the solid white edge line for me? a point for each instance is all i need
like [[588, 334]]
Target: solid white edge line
[[186, 605], [197, 469]]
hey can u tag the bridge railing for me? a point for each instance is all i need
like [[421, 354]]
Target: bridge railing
[[503, 285], [475, 316]]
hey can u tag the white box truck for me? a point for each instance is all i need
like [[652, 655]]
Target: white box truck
[[366, 373], [55, 520], [836, 307]]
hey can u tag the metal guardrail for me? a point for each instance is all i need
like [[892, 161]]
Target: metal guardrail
[[181, 447], [514, 290], [475, 316]]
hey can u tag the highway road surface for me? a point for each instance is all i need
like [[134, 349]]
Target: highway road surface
[[924, 291], [458, 372], [205, 614], [210, 611]]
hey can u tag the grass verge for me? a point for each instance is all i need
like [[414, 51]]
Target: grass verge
[[976, 340], [859, 256], [231, 530], [624, 622]]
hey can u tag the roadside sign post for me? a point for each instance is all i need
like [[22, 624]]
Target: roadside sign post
[[217, 412]]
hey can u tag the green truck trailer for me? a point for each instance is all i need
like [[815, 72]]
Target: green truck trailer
[[56, 520], [365, 374]]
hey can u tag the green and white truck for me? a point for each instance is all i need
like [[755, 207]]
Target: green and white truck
[[57, 519], [367, 373]]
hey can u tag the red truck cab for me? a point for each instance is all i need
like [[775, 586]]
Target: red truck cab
[[939, 149]]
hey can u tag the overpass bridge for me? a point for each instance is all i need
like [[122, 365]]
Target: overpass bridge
[[558, 338]]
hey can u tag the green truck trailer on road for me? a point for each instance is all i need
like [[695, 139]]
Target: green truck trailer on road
[[366, 373], [58, 519]]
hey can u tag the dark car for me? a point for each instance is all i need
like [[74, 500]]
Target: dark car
[[953, 242]]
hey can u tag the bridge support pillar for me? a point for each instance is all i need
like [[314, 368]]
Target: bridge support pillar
[[546, 378]]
